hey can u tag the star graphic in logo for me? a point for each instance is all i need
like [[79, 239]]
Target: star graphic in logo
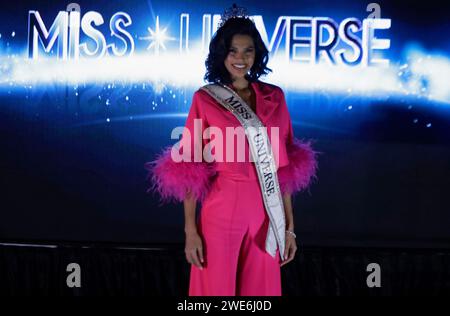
[[157, 37]]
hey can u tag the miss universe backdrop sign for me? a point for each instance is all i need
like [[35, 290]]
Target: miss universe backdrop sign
[[91, 90]]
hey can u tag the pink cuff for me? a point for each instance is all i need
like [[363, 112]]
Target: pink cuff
[[172, 180], [300, 171]]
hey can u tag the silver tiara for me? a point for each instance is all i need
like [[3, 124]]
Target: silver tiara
[[233, 12]]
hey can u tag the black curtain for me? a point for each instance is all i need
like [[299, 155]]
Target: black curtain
[[107, 269]]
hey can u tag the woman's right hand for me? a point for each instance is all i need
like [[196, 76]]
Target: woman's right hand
[[194, 249]]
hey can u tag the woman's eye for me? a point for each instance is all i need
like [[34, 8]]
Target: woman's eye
[[233, 51]]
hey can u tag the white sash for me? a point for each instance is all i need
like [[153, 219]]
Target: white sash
[[261, 152]]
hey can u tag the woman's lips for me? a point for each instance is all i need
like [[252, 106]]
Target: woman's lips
[[239, 68]]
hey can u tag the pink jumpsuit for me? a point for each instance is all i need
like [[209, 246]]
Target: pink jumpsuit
[[233, 222], [233, 225]]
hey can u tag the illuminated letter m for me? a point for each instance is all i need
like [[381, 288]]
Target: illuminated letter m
[[38, 31]]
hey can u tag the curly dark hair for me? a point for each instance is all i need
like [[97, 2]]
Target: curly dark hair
[[220, 45]]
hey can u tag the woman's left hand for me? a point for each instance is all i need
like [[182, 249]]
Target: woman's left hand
[[289, 249]]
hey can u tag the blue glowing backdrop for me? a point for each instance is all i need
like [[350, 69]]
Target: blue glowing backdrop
[[90, 91]]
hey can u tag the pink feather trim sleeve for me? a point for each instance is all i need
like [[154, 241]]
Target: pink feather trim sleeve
[[172, 180], [301, 170]]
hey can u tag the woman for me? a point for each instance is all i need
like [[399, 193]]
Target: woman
[[225, 245]]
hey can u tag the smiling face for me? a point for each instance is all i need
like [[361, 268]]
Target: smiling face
[[241, 56]]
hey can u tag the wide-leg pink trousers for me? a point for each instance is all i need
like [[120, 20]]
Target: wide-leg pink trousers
[[233, 224]]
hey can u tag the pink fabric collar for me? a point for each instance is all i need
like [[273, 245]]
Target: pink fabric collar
[[265, 99]]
